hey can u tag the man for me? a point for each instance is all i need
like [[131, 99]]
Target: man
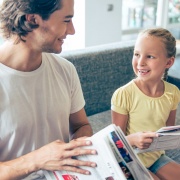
[[41, 101]]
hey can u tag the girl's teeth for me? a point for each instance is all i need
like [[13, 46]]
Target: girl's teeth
[[143, 71]]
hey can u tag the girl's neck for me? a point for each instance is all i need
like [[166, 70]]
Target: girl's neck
[[151, 89]]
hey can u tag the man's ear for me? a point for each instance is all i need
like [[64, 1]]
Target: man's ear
[[170, 62], [32, 19]]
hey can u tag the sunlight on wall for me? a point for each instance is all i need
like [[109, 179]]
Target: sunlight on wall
[[77, 41]]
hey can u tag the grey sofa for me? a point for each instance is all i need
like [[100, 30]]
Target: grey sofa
[[102, 69]]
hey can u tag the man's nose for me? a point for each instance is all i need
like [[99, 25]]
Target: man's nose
[[71, 29]]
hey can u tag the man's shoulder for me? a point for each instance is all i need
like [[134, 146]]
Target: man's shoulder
[[57, 59]]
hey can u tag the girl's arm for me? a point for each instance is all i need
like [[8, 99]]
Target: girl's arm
[[171, 119], [119, 120]]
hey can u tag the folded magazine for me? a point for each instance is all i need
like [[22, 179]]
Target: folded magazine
[[168, 138], [116, 160]]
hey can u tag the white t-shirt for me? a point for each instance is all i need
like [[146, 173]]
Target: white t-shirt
[[35, 106]]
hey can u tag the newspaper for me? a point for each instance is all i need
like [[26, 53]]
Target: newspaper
[[168, 138], [115, 160]]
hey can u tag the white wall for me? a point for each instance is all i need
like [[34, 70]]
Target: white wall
[[77, 41], [102, 26]]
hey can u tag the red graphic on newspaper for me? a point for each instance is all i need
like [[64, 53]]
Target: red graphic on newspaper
[[70, 177]]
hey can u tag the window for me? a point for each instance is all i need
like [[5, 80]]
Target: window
[[174, 11], [139, 13]]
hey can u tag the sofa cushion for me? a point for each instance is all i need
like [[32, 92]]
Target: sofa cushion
[[102, 69]]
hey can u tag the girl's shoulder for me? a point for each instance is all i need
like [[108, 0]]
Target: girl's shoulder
[[126, 90], [169, 87], [127, 87], [172, 90]]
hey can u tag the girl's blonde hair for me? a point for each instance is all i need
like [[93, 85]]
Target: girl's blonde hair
[[167, 38]]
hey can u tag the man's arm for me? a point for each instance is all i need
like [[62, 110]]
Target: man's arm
[[17, 168], [79, 125], [54, 156]]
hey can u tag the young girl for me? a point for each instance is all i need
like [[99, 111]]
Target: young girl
[[148, 103]]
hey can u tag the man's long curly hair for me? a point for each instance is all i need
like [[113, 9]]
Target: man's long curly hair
[[13, 15]]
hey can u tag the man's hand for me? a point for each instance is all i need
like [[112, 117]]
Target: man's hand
[[58, 156]]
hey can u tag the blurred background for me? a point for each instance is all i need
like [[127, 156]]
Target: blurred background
[[106, 21]]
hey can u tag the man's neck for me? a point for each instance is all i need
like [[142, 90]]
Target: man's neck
[[19, 56]]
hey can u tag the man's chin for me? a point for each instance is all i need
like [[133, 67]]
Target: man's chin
[[57, 51]]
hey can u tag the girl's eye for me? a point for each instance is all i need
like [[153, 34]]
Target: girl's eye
[[150, 57], [136, 54]]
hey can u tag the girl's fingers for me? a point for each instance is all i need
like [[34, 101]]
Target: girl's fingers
[[150, 134], [148, 140], [146, 145]]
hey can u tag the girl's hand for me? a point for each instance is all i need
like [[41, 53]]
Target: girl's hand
[[142, 140]]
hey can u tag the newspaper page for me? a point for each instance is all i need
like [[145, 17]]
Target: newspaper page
[[108, 167], [138, 170], [169, 130], [168, 138], [115, 160]]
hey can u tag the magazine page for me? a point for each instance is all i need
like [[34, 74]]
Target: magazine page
[[169, 130], [169, 138], [108, 163], [163, 142], [121, 158], [123, 155], [138, 170]]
